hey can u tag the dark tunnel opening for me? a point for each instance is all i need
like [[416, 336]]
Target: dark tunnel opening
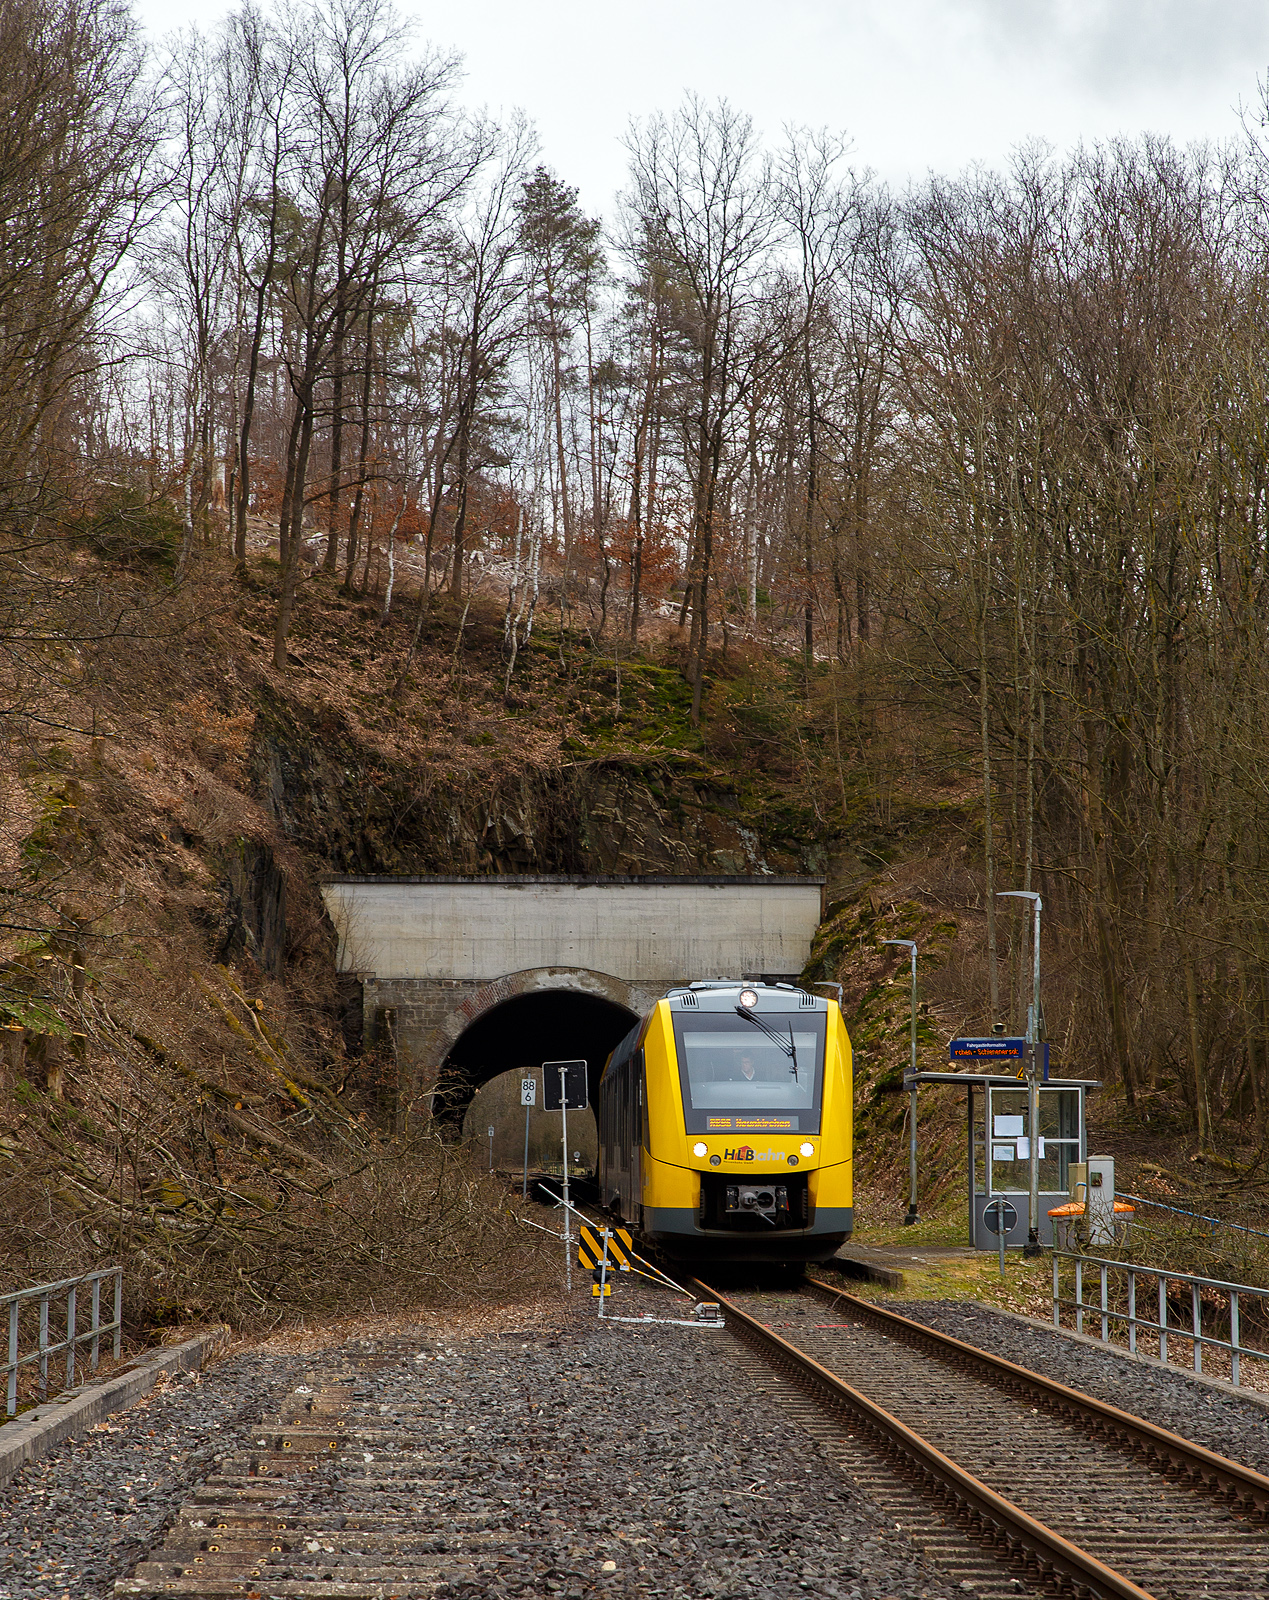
[[520, 1034]]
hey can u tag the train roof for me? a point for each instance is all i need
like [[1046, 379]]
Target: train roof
[[723, 994]]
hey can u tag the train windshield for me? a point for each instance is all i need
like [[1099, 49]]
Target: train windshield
[[739, 1077]]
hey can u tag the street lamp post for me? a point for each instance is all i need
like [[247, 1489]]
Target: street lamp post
[[910, 946], [1032, 1247]]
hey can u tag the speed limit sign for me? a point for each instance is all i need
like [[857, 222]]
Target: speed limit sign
[[528, 1091]]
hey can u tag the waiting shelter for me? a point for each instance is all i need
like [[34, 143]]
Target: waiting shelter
[[999, 1145]]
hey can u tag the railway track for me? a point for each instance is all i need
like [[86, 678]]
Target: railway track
[[1056, 1489], [371, 1480]]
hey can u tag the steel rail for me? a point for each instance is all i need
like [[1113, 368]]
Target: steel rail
[[987, 1514], [1239, 1485]]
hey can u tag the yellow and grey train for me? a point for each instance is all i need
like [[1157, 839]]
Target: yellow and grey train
[[725, 1125]]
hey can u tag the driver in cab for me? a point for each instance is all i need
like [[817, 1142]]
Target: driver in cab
[[745, 1070]]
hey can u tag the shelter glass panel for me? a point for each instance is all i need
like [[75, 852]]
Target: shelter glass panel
[[1009, 1138], [978, 1136]]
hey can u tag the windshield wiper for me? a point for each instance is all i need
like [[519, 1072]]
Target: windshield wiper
[[790, 1049]]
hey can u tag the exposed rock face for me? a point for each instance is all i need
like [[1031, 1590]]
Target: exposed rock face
[[663, 815], [253, 919], [631, 823]]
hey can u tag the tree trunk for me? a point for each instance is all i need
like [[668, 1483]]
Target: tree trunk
[[291, 566], [330, 562], [460, 519], [363, 451], [989, 827]]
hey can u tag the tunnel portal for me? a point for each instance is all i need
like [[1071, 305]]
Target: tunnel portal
[[519, 1034]]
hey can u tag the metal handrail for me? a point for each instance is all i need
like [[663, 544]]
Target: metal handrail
[[1162, 1328], [44, 1293]]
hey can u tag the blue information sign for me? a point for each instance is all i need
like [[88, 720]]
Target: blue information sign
[[997, 1049], [993, 1049]]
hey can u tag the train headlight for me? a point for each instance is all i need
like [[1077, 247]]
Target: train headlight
[[715, 1161], [700, 1148], [793, 1161], [748, 997], [807, 1149]]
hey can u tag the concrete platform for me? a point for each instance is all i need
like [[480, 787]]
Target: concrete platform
[[893, 1267]]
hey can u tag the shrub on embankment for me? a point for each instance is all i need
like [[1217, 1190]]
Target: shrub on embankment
[[255, 1195]]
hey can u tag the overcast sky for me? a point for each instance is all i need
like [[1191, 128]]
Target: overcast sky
[[916, 84]]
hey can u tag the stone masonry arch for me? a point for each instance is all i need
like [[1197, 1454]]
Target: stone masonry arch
[[576, 980], [524, 1018]]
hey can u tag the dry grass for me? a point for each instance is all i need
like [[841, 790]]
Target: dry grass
[[249, 1195]]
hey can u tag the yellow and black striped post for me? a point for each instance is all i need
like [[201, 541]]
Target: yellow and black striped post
[[594, 1243], [602, 1250]]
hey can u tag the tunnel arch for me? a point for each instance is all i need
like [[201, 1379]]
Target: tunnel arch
[[520, 1020]]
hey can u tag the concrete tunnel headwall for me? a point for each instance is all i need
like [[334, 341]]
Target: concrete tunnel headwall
[[473, 977]]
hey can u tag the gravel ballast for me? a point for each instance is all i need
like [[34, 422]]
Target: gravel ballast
[[73, 1522], [593, 1460], [644, 1447], [1169, 1398]]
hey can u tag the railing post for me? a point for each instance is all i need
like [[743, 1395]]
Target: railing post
[[1105, 1303], [96, 1319], [1163, 1318], [70, 1336], [1057, 1314], [1196, 1304], [1132, 1310], [43, 1347], [1233, 1336], [118, 1311], [1079, 1295], [12, 1398]]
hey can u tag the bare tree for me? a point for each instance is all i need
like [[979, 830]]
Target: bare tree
[[561, 254], [491, 289], [380, 163], [261, 68], [78, 131], [700, 205]]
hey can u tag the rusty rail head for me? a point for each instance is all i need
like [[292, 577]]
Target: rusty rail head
[[1229, 1478], [986, 1509]]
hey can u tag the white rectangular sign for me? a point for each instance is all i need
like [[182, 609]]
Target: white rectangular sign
[[528, 1091]]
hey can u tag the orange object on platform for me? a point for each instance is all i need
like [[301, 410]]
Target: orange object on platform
[[1075, 1208]]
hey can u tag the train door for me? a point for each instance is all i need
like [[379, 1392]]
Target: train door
[[639, 1120], [610, 1177], [623, 1136]]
